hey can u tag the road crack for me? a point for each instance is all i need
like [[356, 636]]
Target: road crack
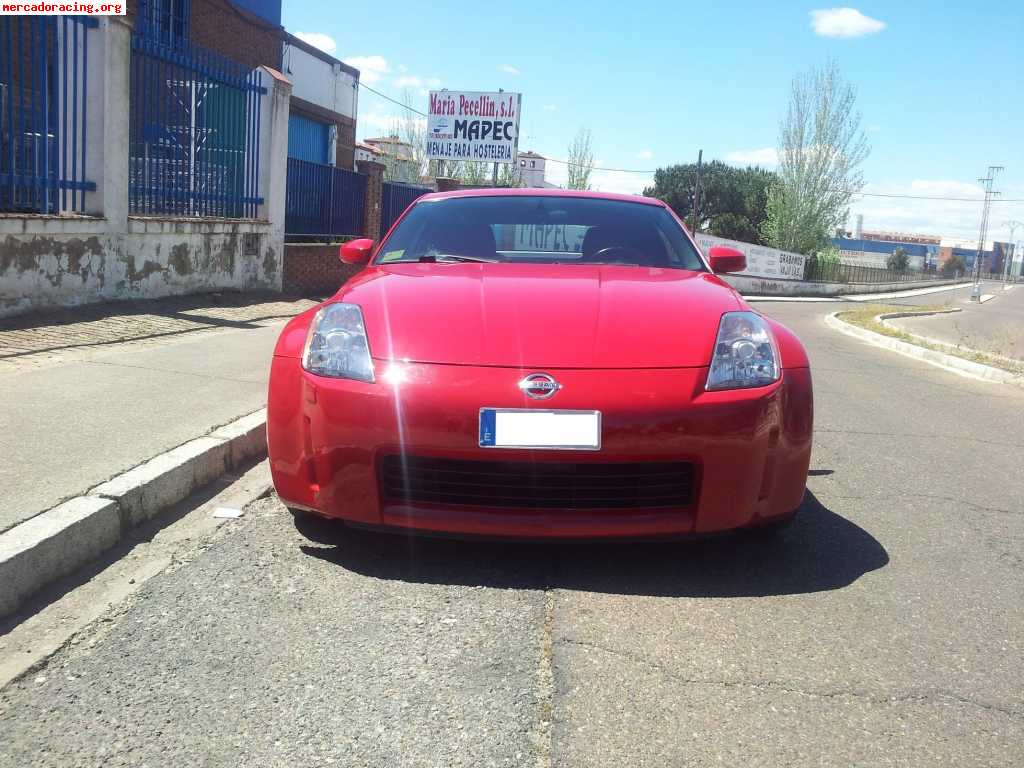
[[956, 438], [546, 683], [774, 685], [932, 496]]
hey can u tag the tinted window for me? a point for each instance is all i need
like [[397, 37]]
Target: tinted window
[[559, 230]]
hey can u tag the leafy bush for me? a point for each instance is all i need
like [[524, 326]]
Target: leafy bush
[[953, 265], [898, 260]]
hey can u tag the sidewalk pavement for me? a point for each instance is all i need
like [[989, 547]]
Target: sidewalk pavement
[[91, 392], [995, 327]]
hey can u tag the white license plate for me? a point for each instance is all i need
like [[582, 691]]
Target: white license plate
[[534, 428]]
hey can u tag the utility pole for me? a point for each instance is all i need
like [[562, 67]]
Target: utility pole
[[1008, 258], [696, 192], [983, 234], [494, 173]]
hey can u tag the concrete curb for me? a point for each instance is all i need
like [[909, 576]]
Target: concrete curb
[[884, 318], [948, 362], [867, 298], [66, 537]]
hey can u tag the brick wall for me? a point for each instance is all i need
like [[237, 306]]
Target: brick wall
[[314, 270], [374, 190], [346, 157], [230, 31], [241, 36]]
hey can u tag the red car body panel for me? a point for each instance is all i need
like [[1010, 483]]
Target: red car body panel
[[633, 343], [539, 315]]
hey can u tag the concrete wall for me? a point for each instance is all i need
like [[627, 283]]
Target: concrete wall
[[55, 262], [51, 261], [319, 81]]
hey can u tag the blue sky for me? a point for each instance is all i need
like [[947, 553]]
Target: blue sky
[[939, 83]]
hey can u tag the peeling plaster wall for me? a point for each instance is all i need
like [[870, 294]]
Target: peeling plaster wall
[[56, 262]]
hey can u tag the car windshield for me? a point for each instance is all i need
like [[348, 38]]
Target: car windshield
[[540, 230]]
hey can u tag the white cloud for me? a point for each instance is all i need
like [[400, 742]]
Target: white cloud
[[765, 156], [625, 183], [508, 69], [381, 122], [644, 154], [603, 181], [415, 81], [318, 40], [844, 22], [945, 218], [371, 68]]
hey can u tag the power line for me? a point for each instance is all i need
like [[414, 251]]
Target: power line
[[983, 234], [950, 199], [650, 171], [393, 101], [595, 167]]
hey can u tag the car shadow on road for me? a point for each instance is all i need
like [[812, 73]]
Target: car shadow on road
[[820, 551]]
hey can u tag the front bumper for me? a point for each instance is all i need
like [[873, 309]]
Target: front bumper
[[749, 449]]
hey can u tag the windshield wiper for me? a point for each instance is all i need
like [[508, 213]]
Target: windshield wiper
[[452, 257]]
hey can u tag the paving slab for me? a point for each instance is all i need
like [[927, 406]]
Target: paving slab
[[97, 411]]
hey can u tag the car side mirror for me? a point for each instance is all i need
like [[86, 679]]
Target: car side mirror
[[356, 251], [725, 259]]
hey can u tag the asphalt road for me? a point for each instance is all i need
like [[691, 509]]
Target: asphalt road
[[886, 627], [996, 326]]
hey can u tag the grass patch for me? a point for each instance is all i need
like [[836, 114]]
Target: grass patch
[[864, 317]]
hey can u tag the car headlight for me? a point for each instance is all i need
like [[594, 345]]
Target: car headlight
[[744, 354], [336, 344]]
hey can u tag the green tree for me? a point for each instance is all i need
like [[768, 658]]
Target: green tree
[[821, 149], [732, 200], [954, 265], [581, 160], [898, 260], [508, 176], [474, 174]]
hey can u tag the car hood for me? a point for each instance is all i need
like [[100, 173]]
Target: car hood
[[541, 316]]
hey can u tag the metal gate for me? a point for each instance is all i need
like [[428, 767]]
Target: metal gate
[[395, 198], [322, 200], [43, 103]]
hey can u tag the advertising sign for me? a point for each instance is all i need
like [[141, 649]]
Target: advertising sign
[[761, 261], [473, 125]]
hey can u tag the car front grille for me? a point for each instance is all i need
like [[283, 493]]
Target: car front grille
[[536, 485]]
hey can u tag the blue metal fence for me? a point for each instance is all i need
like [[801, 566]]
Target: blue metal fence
[[322, 200], [194, 132], [395, 198], [43, 97]]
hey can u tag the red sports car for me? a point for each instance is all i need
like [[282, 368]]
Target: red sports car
[[540, 363]]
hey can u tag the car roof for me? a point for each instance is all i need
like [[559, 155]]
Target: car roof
[[540, 192]]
